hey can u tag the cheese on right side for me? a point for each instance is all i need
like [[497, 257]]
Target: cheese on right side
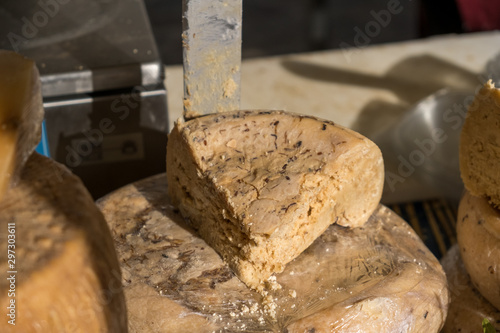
[[21, 115], [467, 308], [480, 145], [478, 234], [376, 278]]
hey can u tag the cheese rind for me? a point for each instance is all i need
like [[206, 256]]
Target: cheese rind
[[478, 234], [480, 145], [68, 277], [467, 308], [21, 115], [376, 278], [261, 186]]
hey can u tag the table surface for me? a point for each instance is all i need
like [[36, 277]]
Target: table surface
[[361, 88], [366, 89]]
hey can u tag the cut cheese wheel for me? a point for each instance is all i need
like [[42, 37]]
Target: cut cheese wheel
[[21, 115], [261, 186], [478, 233], [65, 271], [480, 145], [376, 278], [467, 308]]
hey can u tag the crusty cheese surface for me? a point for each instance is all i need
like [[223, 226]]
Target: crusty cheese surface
[[478, 233], [21, 115], [376, 278], [480, 145], [261, 186], [68, 278], [467, 308]]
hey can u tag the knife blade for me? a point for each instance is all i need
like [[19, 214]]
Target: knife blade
[[211, 42]]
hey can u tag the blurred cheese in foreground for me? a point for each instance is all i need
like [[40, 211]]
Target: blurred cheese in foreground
[[478, 233], [62, 274], [21, 115], [376, 278]]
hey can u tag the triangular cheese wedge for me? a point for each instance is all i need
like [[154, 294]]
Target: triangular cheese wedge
[[261, 186]]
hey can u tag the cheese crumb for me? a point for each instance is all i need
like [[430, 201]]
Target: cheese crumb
[[292, 293], [254, 308], [272, 284], [270, 306]]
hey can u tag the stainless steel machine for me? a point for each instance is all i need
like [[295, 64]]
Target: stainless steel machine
[[102, 84]]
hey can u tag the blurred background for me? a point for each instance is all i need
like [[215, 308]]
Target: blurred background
[[291, 26], [102, 62]]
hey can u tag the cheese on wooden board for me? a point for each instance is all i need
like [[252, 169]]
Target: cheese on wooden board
[[467, 308], [21, 115], [478, 234], [480, 145], [67, 277], [376, 278], [261, 186]]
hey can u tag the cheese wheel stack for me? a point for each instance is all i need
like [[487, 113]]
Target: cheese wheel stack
[[480, 145], [375, 278], [58, 267], [478, 219]]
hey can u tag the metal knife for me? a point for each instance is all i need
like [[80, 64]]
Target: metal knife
[[211, 42]]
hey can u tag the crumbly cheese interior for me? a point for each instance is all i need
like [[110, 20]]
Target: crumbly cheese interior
[[480, 145], [261, 186], [21, 114]]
